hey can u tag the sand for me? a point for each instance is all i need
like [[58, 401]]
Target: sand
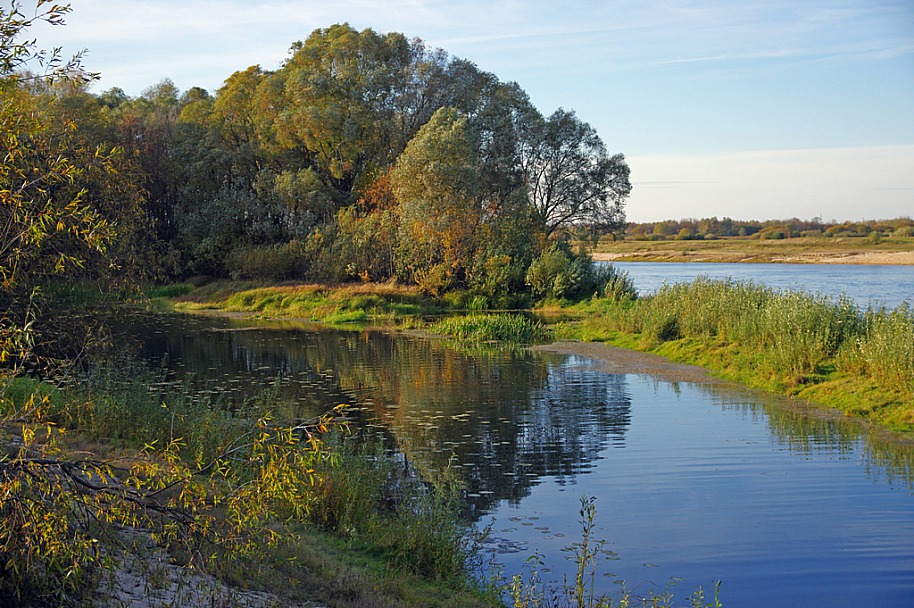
[[883, 258]]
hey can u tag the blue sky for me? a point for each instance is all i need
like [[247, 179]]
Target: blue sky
[[756, 109]]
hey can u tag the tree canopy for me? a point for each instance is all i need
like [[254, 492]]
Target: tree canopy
[[365, 155]]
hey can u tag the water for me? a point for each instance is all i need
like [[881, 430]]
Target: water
[[693, 482], [864, 284]]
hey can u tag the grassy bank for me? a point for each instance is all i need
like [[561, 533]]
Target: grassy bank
[[110, 468], [827, 351], [332, 304], [810, 347]]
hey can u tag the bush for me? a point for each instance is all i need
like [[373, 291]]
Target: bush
[[496, 275], [614, 284], [544, 269], [561, 273]]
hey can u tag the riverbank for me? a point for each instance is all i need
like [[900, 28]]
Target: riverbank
[[117, 493], [803, 347], [338, 562], [800, 250]]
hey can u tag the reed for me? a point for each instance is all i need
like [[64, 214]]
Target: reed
[[827, 350], [885, 349], [506, 327]]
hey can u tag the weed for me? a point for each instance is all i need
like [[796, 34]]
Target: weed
[[532, 592]]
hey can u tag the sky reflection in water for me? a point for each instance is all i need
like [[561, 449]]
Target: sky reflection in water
[[698, 482]]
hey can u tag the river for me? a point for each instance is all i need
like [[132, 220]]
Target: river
[[864, 284], [693, 482]]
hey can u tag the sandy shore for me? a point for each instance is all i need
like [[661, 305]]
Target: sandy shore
[[901, 258]]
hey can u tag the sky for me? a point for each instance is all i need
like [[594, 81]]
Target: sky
[[749, 109]]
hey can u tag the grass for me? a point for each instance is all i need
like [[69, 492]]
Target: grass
[[333, 304], [282, 507], [505, 327], [804, 345]]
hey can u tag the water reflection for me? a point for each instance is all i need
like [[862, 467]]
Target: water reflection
[[708, 481], [492, 421]]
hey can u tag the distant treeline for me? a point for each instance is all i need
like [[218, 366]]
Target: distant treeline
[[712, 228]]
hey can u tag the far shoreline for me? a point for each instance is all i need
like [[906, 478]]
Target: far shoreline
[[866, 258]]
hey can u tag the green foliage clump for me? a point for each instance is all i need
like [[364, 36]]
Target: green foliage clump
[[175, 290], [563, 274], [363, 497], [501, 327]]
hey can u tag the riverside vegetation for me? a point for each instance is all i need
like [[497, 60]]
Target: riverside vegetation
[[804, 345], [828, 351], [365, 157]]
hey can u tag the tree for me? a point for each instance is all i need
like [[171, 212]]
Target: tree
[[49, 222], [569, 176], [18, 56], [435, 184]]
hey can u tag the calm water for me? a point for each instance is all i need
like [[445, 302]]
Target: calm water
[[693, 483], [865, 284]]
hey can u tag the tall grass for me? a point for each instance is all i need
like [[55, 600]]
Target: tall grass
[[885, 349], [506, 327], [795, 335]]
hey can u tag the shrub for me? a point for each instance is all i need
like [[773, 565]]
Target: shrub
[[496, 275], [544, 269], [561, 273], [614, 284]]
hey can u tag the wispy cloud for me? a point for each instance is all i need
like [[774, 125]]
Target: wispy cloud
[[649, 75]]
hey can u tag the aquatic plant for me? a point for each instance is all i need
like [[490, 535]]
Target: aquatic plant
[[505, 327], [530, 591]]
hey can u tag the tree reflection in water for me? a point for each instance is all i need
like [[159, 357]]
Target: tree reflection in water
[[492, 421]]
